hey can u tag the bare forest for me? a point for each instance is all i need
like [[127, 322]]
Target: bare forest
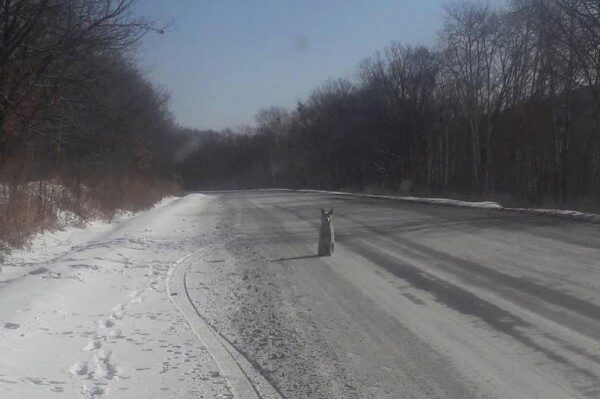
[[82, 132], [505, 106]]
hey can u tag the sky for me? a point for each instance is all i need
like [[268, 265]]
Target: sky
[[224, 60]]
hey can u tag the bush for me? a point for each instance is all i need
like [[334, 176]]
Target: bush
[[27, 209]]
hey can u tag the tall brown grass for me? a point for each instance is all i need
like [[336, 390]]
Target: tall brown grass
[[33, 207], [129, 193]]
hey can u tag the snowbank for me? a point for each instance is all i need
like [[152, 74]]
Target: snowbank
[[89, 315], [437, 201], [560, 213]]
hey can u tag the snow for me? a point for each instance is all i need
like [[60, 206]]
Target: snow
[[87, 311], [83, 311], [437, 201], [561, 213], [447, 201]]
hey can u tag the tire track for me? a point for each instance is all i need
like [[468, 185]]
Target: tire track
[[233, 364]]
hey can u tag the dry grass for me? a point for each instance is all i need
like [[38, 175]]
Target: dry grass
[[27, 209], [129, 193], [23, 213]]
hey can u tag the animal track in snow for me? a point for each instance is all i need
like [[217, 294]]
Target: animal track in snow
[[117, 314], [91, 390], [116, 333], [92, 345], [79, 369], [135, 297], [105, 323], [104, 369]]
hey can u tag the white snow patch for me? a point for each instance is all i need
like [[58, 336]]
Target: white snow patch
[[68, 327], [438, 201]]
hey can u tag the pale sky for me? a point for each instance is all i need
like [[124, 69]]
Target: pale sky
[[224, 60]]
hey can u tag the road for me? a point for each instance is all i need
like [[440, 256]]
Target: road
[[418, 300], [221, 295]]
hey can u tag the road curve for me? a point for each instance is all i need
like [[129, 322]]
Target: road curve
[[418, 301]]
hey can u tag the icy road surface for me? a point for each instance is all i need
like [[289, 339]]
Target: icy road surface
[[221, 294]]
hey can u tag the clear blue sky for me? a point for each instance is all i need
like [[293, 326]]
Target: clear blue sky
[[224, 60]]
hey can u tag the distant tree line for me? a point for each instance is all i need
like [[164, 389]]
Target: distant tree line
[[507, 103]]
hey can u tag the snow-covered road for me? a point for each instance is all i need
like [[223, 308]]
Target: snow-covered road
[[418, 301], [222, 294]]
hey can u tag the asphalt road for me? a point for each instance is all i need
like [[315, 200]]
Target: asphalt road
[[418, 300]]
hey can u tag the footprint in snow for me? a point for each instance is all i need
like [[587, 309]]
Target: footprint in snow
[[116, 333], [79, 369], [104, 369], [135, 297], [103, 355], [117, 314], [92, 345], [91, 390], [105, 323]]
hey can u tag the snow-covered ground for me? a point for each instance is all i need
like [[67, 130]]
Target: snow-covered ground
[[210, 296], [86, 313]]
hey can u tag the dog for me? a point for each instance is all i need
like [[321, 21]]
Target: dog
[[326, 237]]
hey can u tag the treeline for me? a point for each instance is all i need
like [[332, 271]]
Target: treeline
[[81, 129], [505, 105]]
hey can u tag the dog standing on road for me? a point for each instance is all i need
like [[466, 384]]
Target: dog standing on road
[[326, 239]]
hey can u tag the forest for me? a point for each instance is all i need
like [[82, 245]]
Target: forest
[[82, 132], [504, 106]]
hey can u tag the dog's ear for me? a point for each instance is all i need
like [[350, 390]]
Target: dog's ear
[[331, 211], [322, 210]]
